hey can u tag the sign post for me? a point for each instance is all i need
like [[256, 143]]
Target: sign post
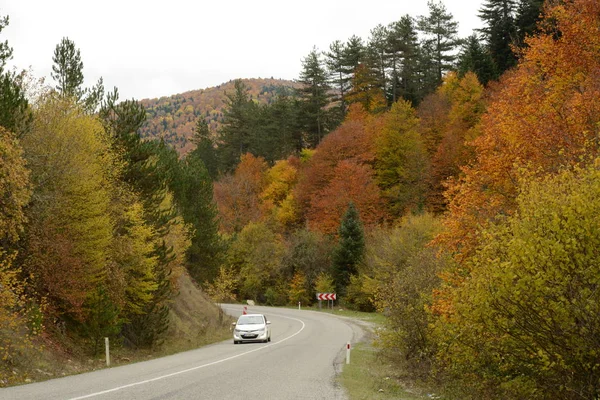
[[326, 296]]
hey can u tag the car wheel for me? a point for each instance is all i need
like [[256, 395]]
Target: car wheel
[[269, 339], [235, 342]]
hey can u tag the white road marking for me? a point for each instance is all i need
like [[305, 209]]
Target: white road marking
[[87, 396]]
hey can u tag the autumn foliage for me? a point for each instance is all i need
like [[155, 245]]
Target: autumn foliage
[[514, 314], [467, 214], [238, 195], [544, 117], [339, 172]]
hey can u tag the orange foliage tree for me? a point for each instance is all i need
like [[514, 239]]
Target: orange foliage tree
[[353, 141], [449, 123], [238, 195], [351, 182], [545, 117]]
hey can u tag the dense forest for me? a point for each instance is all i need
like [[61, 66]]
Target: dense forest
[[448, 183], [174, 118]]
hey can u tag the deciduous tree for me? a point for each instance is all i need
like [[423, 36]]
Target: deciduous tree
[[401, 163], [238, 195], [525, 323]]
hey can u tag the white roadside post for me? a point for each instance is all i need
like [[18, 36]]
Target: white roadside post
[[299, 306], [348, 353], [106, 345]]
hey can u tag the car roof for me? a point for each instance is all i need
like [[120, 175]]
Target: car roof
[[252, 315]]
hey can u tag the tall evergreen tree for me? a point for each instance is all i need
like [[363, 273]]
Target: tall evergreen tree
[[475, 58], [334, 59], [354, 55], [147, 172], [236, 134], [441, 40], [205, 149], [500, 32], [314, 98], [376, 56], [67, 70], [15, 113], [402, 52], [6, 52], [280, 132], [193, 191], [528, 15], [350, 249]]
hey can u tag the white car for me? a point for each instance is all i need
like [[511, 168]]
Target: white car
[[252, 328]]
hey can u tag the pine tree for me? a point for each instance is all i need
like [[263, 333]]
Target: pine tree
[[148, 169], [441, 40], [375, 54], [475, 58], [15, 113], [528, 15], [6, 51], [314, 97], [280, 133], [205, 149], [350, 249], [237, 132], [67, 70], [500, 32], [402, 54], [354, 55], [193, 191], [334, 59]]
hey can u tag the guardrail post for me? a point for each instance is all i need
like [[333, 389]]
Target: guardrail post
[[107, 348], [348, 353]]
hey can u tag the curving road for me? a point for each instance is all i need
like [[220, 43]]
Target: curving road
[[301, 362]]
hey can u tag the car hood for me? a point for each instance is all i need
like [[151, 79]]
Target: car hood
[[250, 327]]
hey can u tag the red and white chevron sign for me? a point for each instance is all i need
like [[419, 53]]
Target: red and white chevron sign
[[326, 296]]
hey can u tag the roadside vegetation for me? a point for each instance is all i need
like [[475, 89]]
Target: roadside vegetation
[[368, 376], [450, 185], [194, 322]]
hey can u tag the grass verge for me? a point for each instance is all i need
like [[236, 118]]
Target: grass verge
[[366, 377]]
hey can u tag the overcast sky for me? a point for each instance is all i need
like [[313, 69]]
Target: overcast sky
[[158, 48]]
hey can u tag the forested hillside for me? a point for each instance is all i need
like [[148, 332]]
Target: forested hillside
[[174, 118], [448, 183]]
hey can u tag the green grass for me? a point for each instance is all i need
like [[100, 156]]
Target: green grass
[[370, 317], [366, 377]]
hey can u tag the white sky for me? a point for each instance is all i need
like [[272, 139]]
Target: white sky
[[158, 48]]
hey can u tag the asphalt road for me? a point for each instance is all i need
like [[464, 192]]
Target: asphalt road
[[307, 350]]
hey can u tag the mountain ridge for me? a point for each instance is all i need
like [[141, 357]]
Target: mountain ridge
[[173, 118]]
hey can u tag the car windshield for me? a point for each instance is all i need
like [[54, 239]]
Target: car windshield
[[250, 320]]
